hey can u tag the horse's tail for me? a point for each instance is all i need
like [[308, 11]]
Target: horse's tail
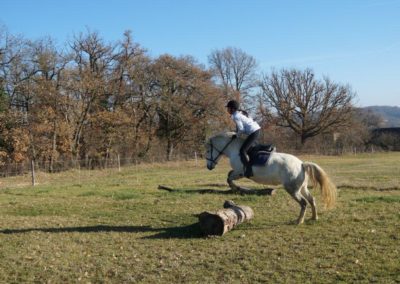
[[318, 176]]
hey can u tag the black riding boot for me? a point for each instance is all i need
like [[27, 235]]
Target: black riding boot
[[247, 168], [248, 171]]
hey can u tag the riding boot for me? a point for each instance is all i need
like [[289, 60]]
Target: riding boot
[[248, 172], [247, 168]]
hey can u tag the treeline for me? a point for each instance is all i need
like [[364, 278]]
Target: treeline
[[95, 100]]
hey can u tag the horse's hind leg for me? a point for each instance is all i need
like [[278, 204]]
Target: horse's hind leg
[[303, 204], [311, 200]]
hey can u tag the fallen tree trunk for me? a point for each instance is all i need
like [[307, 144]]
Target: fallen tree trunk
[[224, 220]]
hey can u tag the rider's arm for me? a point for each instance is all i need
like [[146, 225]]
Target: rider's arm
[[239, 125]]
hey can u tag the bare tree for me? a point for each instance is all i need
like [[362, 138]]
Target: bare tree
[[131, 60], [306, 105], [93, 61], [48, 109], [235, 71], [184, 96], [17, 71], [132, 94], [4, 62]]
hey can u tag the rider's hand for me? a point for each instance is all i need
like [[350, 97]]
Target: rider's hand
[[234, 136]]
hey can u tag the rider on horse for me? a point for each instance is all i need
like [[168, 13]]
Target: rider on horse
[[245, 126]]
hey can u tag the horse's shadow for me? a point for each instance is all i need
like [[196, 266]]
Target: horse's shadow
[[241, 191], [178, 232]]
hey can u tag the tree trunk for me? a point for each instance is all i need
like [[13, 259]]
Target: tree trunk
[[170, 149], [54, 148], [33, 175], [224, 220]]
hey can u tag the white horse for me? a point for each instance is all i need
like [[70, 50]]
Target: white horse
[[281, 168]]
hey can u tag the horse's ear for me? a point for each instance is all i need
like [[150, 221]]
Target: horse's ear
[[230, 134]]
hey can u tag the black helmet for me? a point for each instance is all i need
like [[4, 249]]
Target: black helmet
[[233, 104]]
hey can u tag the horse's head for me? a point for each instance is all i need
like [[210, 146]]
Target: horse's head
[[215, 148], [212, 155]]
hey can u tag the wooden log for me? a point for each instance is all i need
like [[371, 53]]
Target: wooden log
[[224, 220]]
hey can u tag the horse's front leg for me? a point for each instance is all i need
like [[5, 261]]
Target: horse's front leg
[[233, 175]]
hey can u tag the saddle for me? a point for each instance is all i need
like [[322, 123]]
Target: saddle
[[259, 154]]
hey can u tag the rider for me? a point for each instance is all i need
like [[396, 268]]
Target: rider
[[244, 126]]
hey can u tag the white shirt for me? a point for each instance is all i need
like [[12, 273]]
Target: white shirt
[[245, 125]]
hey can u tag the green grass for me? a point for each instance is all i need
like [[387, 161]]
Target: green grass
[[385, 199], [117, 227]]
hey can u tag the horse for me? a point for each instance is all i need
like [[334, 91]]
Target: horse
[[281, 168]]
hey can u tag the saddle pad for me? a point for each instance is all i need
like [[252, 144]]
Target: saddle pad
[[260, 159]]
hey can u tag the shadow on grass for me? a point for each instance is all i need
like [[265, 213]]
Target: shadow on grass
[[179, 232], [244, 191], [192, 231]]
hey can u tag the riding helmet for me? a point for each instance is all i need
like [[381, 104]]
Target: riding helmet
[[233, 104]]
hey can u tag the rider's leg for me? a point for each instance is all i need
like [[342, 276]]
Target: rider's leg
[[243, 152]]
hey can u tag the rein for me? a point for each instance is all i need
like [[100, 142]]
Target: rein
[[214, 161]]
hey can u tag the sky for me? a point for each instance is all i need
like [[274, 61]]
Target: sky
[[355, 42]]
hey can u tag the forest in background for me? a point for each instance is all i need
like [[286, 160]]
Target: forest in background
[[90, 101]]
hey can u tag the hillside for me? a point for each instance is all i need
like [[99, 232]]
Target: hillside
[[390, 114]]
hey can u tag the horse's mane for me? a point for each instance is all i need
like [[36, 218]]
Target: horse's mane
[[224, 134]]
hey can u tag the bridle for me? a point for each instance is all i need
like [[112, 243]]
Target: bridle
[[215, 160]]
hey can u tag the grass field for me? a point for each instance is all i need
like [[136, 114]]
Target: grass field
[[117, 227]]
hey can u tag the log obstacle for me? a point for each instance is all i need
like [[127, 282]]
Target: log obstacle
[[224, 220]]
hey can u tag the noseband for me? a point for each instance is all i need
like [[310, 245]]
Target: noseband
[[214, 161]]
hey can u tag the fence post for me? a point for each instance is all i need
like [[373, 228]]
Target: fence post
[[119, 163], [79, 171], [33, 172]]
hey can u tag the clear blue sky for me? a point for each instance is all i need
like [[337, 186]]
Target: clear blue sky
[[351, 41]]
